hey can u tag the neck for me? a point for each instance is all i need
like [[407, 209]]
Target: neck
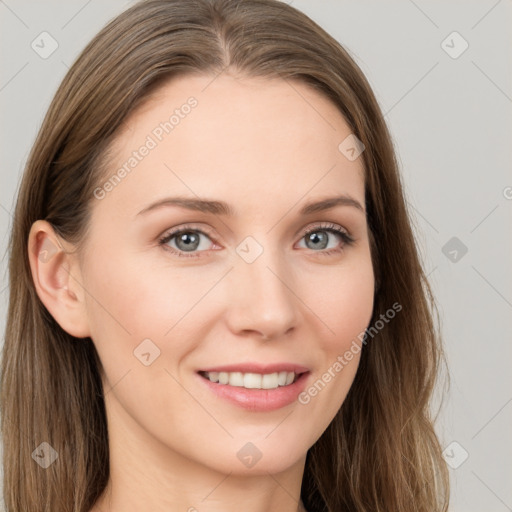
[[147, 475]]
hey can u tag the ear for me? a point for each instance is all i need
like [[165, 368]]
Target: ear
[[57, 278]]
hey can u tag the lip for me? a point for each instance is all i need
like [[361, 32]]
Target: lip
[[258, 400], [258, 368]]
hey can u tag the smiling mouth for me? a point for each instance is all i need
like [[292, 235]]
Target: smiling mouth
[[253, 380]]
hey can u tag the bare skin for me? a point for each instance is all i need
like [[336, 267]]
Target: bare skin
[[267, 149]]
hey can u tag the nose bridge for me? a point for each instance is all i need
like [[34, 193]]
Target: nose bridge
[[261, 292]]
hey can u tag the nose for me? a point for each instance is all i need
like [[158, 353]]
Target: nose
[[260, 298]]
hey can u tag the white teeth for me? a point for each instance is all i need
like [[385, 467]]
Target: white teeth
[[270, 381], [252, 380], [289, 378], [236, 379]]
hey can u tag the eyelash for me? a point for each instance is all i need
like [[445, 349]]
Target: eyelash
[[331, 228]]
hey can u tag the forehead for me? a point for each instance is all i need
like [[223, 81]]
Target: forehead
[[227, 137]]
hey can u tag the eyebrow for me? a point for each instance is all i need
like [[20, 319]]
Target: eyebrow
[[222, 208]]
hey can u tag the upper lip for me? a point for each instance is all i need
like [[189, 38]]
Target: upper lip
[[258, 368]]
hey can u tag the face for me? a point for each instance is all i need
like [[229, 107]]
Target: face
[[254, 285]]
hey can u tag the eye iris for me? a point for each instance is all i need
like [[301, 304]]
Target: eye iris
[[185, 238], [188, 241], [314, 237]]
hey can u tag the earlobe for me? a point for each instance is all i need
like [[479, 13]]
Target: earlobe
[[57, 279]]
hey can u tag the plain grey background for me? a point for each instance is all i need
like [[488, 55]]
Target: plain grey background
[[449, 110]]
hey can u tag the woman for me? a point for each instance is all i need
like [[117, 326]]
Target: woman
[[216, 300]]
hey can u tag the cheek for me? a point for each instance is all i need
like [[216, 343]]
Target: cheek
[[129, 302], [121, 309], [344, 310], [353, 311], [134, 297], [344, 302]]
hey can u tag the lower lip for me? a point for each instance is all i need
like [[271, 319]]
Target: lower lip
[[258, 400]]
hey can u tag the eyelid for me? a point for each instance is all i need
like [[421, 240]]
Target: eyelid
[[208, 231], [346, 236], [324, 225], [186, 227], [168, 235]]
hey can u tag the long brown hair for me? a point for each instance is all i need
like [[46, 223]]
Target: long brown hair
[[380, 453]]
